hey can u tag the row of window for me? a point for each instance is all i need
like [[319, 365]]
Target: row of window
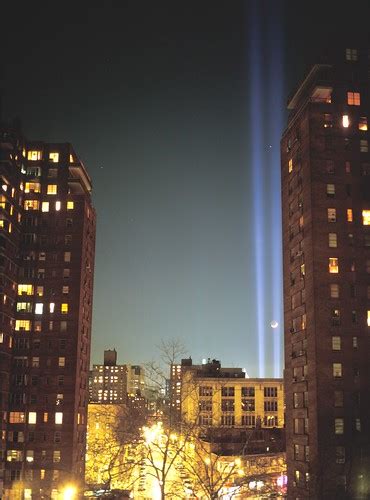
[[362, 124], [37, 155], [23, 361], [45, 205], [18, 456], [269, 392], [20, 417], [38, 307], [27, 306], [330, 168]]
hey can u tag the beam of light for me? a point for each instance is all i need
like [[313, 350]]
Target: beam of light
[[275, 104], [266, 119], [255, 106]]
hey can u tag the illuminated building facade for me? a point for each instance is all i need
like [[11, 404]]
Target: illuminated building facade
[[326, 250], [223, 397], [109, 381], [47, 241], [135, 380]]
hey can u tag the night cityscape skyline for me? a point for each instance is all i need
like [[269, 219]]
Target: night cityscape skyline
[[160, 109]]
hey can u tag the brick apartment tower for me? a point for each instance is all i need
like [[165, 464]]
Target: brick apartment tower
[[326, 250], [47, 240]]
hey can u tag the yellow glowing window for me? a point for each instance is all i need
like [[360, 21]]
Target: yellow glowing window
[[40, 291], [366, 217], [290, 165], [58, 417], [71, 159], [54, 157], [353, 98], [34, 155], [11, 209], [45, 416], [362, 124], [70, 205], [16, 417], [31, 204], [10, 227], [64, 308], [1, 223], [345, 121], [13, 192], [25, 289], [58, 206], [2, 201], [51, 307], [39, 307], [333, 265], [4, 187], [349, 215], [61, 362], [23, 324], [32, 417], [45, 206], [52, 189], [32, 187], [368, 318], [332, 215]]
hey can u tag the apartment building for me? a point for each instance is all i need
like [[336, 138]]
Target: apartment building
[[325, 169], [47, 241]]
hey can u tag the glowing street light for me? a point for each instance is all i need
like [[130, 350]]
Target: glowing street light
[[69, 492]]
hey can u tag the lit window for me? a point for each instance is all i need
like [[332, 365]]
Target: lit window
[[345, 121], [65, 290], [368, 318], [337, 370], [70, 205], [333, 241], [290, 165], [51, 307], [31, 204], [17, 417], [42, 256], [330, 189], [366, 217], [32, 187], [58, 206], [39, 308], [52, 189], [362, 123], [45, 417], [364, 146], [339, 425], [353, 98], [10, 227], [62, 362], [42, 473], [351, 54], [332, 215], [336, 343], [56, 456], [358, 424], [39, 290], [45, 206], [32, 417], [328, 120], [35, 362], [25, 290], [67, 256], [334, 291], [71, 158], [58, 417], [64, 308], [34, 155], [22, 324], [349, 215], [54, 157], [333, 265], [66, 273]]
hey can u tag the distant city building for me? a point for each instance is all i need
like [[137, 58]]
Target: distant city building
[[47, 241], [215, 396], [135, 380], [325, 175], [108, 382]]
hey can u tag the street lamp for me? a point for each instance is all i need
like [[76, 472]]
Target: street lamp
[[69, 492]]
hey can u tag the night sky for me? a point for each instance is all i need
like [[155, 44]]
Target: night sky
[[176, 109]]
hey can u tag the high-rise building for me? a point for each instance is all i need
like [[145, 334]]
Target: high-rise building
[[108, 382], [47, 241], [326, 250]]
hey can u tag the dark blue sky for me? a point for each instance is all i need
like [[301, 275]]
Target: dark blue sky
[[158, 100]]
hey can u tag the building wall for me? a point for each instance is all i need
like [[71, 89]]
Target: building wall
[[109, 384], [236, 402], [46, 419], [326, 327]]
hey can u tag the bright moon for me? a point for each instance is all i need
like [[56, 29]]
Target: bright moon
[[274, 324]]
